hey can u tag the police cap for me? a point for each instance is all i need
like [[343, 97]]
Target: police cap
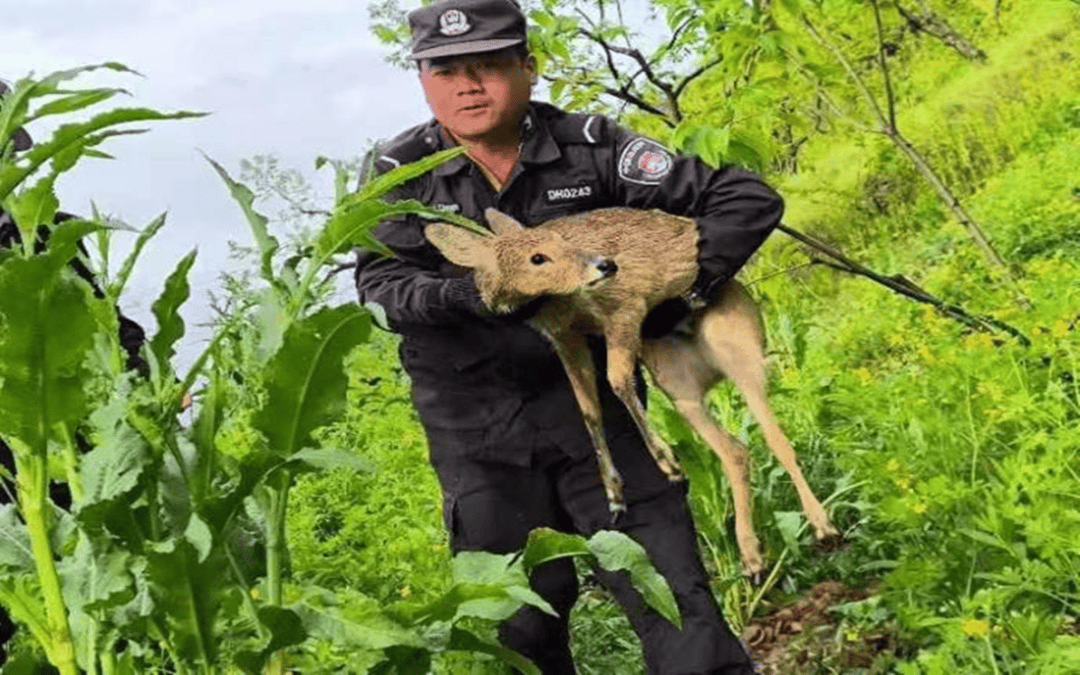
[[455, 27]]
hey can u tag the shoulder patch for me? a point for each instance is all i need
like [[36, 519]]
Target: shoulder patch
[[408, 147], [578, 128], [645, 162]]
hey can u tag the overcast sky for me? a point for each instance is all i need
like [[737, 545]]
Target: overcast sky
[[295, 79]]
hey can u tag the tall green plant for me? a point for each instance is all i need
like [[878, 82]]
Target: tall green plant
[[165, 551]]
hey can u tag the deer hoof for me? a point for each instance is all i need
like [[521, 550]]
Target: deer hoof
[[758, 577], [829, 542], [617, 511]]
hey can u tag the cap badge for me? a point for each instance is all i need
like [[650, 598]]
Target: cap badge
[[454, 22]]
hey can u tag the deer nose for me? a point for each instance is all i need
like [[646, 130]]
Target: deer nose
[[607, 267]]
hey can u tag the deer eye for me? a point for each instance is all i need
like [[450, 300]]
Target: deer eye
[[539, 259]]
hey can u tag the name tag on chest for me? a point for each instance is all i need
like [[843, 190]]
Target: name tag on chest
[[568, 194]]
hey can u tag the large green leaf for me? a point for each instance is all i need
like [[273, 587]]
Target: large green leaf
[[306, 382], [76, 136], [352, 227], [112, 469], [166, 310], [188, 594], [46, 330], [379, 186], [268, 245], [613, 551], [353, 621]]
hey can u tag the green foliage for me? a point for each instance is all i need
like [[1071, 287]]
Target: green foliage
[[164, 548]]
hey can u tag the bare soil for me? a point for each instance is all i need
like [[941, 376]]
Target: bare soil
[[803, 636]]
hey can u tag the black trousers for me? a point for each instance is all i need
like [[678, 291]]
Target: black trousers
[[492, 507]]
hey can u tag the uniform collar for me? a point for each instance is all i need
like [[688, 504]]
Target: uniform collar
[[537, 144]]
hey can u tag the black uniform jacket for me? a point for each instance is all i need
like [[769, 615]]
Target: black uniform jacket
[[491, 388]]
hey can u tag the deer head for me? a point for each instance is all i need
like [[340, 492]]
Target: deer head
[[519, 263]]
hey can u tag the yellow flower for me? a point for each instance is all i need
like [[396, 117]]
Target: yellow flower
[[919, 508], [405, 592], [893, 465], [1060, 328], [975, 628], [979, 341], [864, 375]]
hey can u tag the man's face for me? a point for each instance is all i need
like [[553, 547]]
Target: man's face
[[474, 95]]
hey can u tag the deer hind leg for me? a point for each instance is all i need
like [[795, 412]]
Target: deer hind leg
[[577, 360], [677, 368], [623, 349], [736, 347]]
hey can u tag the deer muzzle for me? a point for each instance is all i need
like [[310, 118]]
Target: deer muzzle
[[601, 268]]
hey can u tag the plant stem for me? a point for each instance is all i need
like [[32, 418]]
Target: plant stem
[[32, 479], [71, 463], [278, 487]]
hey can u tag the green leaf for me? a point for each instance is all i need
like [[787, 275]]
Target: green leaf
[[326, 459], [33, 207], [75, 101], [112, 468], [286, 628], [790, 524], [307, 382], [166, 310], [96, 581], [46, 331], [615, 551], [386, 182], [546, 544], [20, 595], [199, 536], [15, 551], [268, 245], [405, 661], [378, 315], [148, 232], [187, 594], [463, 640], [77, 135], [358, 625]]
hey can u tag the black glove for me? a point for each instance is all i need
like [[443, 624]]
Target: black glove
[[664, 317], [461, 293]]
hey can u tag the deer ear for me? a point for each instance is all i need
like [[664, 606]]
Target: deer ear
[[502, 223], [458, 245]]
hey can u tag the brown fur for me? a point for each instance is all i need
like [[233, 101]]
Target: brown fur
[[603, 271]]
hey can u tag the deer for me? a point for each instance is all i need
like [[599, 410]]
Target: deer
[[601, 272]]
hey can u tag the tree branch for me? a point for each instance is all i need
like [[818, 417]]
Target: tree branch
[[890, 98]]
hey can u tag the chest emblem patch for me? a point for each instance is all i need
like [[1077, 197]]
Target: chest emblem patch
[[645, 162], [454, 22]]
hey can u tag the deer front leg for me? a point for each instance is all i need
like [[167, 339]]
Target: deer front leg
[[576, 359], [623, 349]]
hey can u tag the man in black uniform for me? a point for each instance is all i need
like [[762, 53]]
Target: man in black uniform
[[131, 339], [505, 434]]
